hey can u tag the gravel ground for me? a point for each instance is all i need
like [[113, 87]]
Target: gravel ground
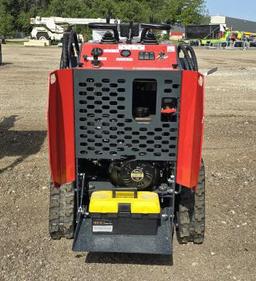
[[229, 252]]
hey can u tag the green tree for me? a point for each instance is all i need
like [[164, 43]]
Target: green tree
[[134, 10], [102, 8], [6, 24], [182, 11], [67, 8], [15, 14], [191, 11], [6, 20]]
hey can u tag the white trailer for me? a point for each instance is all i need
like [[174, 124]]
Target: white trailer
[[234, 23], [52, 28]]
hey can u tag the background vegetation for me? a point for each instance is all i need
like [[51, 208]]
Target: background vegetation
[[15, 14]]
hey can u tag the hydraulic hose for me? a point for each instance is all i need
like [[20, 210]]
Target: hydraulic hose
[[193, 57], [189, 61], [70, 50]]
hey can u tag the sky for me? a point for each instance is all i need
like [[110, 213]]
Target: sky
[[245, 9]]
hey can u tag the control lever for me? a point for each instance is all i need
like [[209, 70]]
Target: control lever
[[147, 26], [105, 26], [96, 53]]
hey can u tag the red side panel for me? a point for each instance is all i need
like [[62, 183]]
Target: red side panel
[[61, 127], [190, 129]]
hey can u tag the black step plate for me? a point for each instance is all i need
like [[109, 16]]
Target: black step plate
[[87, 241]]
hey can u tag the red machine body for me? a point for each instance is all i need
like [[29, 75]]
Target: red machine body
[[165, 56], [126, 57], [191, 126], [61, 132], [126, 118]]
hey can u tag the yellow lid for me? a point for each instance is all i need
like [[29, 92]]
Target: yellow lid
[[103, 202]]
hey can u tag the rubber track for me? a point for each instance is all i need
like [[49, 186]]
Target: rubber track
[[61, 212], [191, 213]]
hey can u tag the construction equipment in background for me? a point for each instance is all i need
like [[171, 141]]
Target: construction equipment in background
[[198, 35], [1, 55], [52, 28], [216, 35], [2, 39], [125, 127]]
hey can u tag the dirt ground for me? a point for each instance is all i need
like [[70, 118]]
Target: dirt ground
[[229, 251]]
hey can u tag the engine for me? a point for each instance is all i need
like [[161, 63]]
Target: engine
[[133, 173]]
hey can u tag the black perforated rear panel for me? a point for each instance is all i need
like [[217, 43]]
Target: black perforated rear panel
[[105, 127]]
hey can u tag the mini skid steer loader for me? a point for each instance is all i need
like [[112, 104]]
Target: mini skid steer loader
[[125, 128]]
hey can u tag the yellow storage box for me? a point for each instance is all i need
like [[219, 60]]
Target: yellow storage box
[[109, 202]]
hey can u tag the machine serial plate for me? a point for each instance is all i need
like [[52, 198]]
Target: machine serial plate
[[102, 226]]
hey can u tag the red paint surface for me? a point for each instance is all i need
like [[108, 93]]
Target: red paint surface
[[176, 33], [168, 110], [190, 136], [61, 112], [113, 59], [61, 132]]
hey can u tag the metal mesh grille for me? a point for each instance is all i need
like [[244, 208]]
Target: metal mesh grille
[[105, 127]]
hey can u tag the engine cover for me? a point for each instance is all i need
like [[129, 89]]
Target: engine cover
[[132, 173]]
